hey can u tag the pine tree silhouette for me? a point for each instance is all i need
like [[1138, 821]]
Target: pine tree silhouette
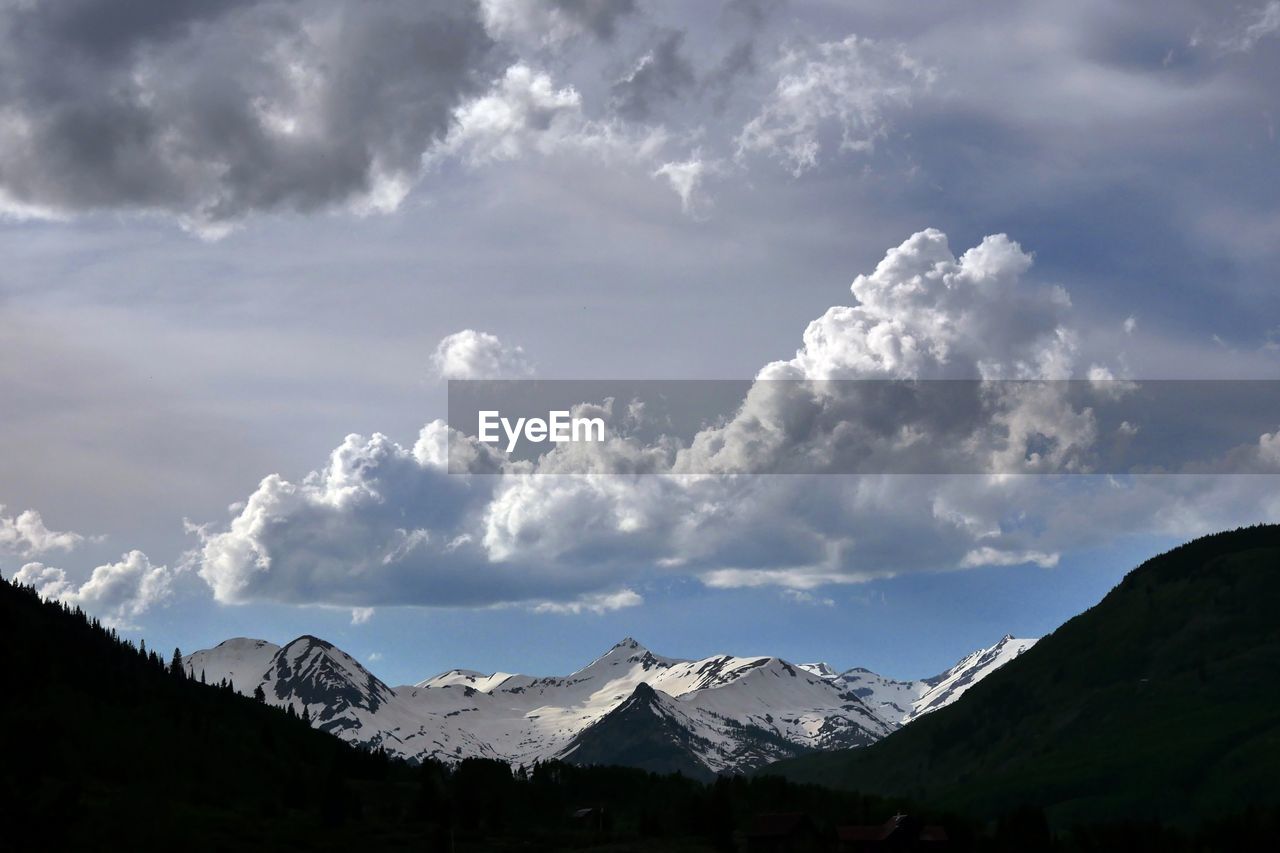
[[175, 665]]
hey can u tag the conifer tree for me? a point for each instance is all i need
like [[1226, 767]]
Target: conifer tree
[[175, 665]]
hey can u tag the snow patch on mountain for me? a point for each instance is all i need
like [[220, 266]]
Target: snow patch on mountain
[[240, 660]]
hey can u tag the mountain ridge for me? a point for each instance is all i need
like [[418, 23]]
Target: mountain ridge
[[733, 713]]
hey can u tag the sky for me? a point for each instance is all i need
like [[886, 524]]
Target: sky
[[248, 242]]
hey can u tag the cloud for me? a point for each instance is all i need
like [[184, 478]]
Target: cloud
[[384, 524], [660, 75], [721, 80], [686, 178], [800, 596], [380, 524], [212, 111], [550, 22], [595, 603], [117, 592], [754, 12], [1252, 28], [1269, 448], [988, 556], [524, 112], [478, 355], [921, 314], [361, 615], [601, 602], [848, 86], [27, 536]]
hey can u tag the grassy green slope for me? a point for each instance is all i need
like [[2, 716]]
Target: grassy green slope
[[1162, 701]]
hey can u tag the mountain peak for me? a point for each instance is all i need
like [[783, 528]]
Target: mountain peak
[[629, 643], [820, 668], [312, 640], [243, 643], [645, 692]]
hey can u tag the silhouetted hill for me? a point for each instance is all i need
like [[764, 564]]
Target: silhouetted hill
[[1161, 702], [105, 747]]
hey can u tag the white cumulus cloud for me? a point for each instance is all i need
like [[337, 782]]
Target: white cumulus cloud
[[470, 354], [27, 535], [385, 524], [117, 592], [1269, 447]]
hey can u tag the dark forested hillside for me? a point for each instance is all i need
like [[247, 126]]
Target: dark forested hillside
[[104, 745], [1161, 702]]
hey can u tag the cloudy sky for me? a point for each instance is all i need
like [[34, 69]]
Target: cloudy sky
[[246, 243]]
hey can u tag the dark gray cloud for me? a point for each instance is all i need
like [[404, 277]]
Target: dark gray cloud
[[214, 110], [107, 31], [661, 74], [754, 13], [598, 16], [721, 80], [551, 22]]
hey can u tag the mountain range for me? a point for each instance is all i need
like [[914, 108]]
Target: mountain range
[[629, 706], [1148, 722]]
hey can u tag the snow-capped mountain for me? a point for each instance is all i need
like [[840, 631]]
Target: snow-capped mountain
[[240, 660], [629, 706], [900, 702]]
